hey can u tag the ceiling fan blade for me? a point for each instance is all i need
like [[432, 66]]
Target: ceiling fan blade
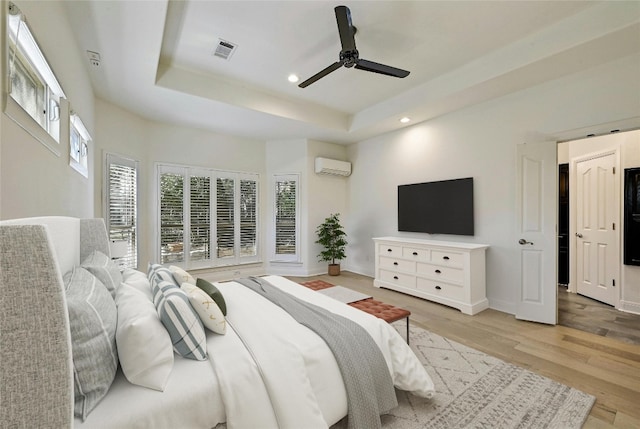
[[345, 28], [333, 67], [380, 68]]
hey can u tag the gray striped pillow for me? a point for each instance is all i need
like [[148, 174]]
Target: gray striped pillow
[[92, 319], [101, 266], [176, 314]]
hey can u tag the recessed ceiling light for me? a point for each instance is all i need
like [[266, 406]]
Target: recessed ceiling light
[[405, 120], [293, 78]]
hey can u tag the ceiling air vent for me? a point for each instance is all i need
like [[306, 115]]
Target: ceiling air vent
[[224, 49]]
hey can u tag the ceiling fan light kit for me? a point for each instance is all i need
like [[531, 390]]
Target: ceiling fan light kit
[[349, 55]]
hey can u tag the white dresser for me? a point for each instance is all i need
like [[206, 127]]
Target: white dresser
[[446, 272]]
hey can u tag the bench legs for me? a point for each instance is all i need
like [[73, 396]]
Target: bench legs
[[407, 330]]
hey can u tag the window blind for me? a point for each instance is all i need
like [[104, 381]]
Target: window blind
[[200, 225], [225, 217], [248, 217], [171, 218], [122, 194], [286, 217]]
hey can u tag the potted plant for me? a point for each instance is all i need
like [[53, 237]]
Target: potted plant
[[332, 237]]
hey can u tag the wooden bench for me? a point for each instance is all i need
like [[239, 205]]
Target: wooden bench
[[386, 312]]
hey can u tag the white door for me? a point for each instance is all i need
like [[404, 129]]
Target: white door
[[596, 234], [536, 196]]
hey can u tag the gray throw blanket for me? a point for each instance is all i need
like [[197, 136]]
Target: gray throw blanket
[[369, 387]]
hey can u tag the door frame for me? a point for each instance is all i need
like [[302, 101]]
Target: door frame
[[573, 162], [537, 228]]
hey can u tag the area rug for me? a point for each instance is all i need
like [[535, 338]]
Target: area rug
[[475, 390]]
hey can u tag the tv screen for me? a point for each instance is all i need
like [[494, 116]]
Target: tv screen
[[444, 207]]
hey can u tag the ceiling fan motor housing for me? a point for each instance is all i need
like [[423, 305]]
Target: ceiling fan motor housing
[[349, 58]]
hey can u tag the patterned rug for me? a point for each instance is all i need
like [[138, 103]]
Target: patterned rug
[[475, 390]]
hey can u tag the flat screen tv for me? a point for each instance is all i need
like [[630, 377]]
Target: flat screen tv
[[444, 207]]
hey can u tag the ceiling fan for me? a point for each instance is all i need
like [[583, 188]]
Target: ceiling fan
[[349, 56]]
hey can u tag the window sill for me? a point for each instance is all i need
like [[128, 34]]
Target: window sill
[[18, 115]]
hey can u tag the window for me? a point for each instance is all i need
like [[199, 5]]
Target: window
[[286, 218], [121, 206], [79, 139], [34, 91], [189, 235]]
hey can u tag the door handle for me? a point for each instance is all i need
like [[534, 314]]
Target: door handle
[[578, 235], [523, 242]]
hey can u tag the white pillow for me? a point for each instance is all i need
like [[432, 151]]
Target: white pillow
[[207, 309], [181, 276], [144, 345], [138, 280]]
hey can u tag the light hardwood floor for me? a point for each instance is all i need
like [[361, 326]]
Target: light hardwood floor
[[605, 367]]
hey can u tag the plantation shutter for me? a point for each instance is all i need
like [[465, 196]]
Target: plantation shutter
[[286, 217], [122, 194], [200, 214], [171, 217], [225, 217], [248, 217]]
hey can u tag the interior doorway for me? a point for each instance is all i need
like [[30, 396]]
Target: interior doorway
[[563, 225]]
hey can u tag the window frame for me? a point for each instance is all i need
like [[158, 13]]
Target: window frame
[[36, 67], [79, 158], [134, 248], [295, 257], [213, 260]]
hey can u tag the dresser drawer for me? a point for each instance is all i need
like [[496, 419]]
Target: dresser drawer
[[390, 250], [415, 254], [447, 258], [397, 264], [443, 289], [439, 272], [398, 278]]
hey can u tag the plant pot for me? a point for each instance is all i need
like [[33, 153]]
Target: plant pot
[[334, 269]]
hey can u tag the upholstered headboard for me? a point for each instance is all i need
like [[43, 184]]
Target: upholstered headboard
[[36, 384]]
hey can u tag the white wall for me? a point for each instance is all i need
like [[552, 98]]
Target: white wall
[[480, 141], [319, 196], [33, 180], [327, 195], [130, 136]]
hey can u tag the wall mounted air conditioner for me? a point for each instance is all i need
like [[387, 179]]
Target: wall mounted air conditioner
[[333, 167]]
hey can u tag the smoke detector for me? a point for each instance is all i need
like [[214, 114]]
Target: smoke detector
[[224, 49]]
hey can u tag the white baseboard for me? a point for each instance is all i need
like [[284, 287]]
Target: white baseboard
[[630, 307], [500, 305]]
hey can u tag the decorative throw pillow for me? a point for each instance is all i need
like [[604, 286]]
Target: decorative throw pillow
[[209, 312], [92, 319], [101, 266], [157, 272], [144, 345], [177, 315], [214, 293], [181, 276], [138, 280]]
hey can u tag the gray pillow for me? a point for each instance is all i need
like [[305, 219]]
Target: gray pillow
[[177, 315], [92, 319], [101, 266]]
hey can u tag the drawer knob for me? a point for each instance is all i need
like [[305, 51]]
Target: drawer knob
[[438, 288], [415, 253], [438, 271], [395, 277], [446, 258], [389, 250], [395, 263]]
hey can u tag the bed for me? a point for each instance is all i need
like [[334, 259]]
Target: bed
[[266, 371]]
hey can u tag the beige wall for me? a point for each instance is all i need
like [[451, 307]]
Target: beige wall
[[33, 180]]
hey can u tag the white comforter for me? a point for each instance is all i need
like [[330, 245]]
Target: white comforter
[[277, 373]]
